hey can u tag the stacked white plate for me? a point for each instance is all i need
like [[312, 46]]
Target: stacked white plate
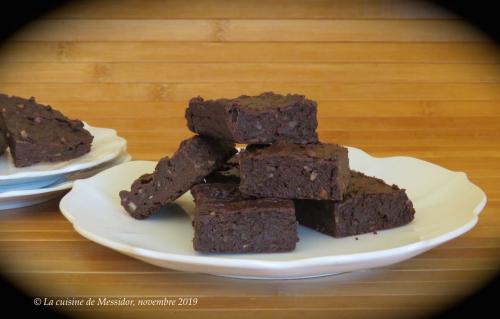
[[26, 186]]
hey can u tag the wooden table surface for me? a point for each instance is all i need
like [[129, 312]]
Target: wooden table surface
[[390, 77]]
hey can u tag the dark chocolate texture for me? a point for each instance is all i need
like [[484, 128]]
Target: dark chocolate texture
[[265, 118], [196, 158], [227, 221], [282, 170], [369, 205], [37, 133]]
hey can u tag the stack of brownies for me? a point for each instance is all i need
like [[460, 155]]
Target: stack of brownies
[[252, 201]]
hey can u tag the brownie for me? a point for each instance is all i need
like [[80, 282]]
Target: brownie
[[282, 170], [265, 118], [196, 158], [368, 205], [37, 133], [227, 221]]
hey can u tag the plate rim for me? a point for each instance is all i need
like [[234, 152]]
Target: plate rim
[[66, 184], [245, 263]]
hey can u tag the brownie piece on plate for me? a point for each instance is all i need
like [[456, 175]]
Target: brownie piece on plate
[[37, 133], [282, 170], [227, 221], [196, 158], [368, 205], [265, 118]]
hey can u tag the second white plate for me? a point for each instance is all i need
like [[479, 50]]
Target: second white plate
[[27, 197]]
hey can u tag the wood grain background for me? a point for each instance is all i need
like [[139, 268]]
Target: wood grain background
[[391, 77]]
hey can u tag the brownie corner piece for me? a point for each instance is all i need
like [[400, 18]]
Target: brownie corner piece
[[37, 133], [369, 205], [227, 221], [265, 118], [282, 170], [196, 158]]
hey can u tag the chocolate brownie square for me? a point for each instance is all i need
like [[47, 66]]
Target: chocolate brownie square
[[227, 221], [37, 133], [265, 118], [368, 205], [282, 170], [196, 158]]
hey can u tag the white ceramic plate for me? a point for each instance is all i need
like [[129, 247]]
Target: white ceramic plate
[[105, 146], [28, 197], [38, 182], [447, 205]]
